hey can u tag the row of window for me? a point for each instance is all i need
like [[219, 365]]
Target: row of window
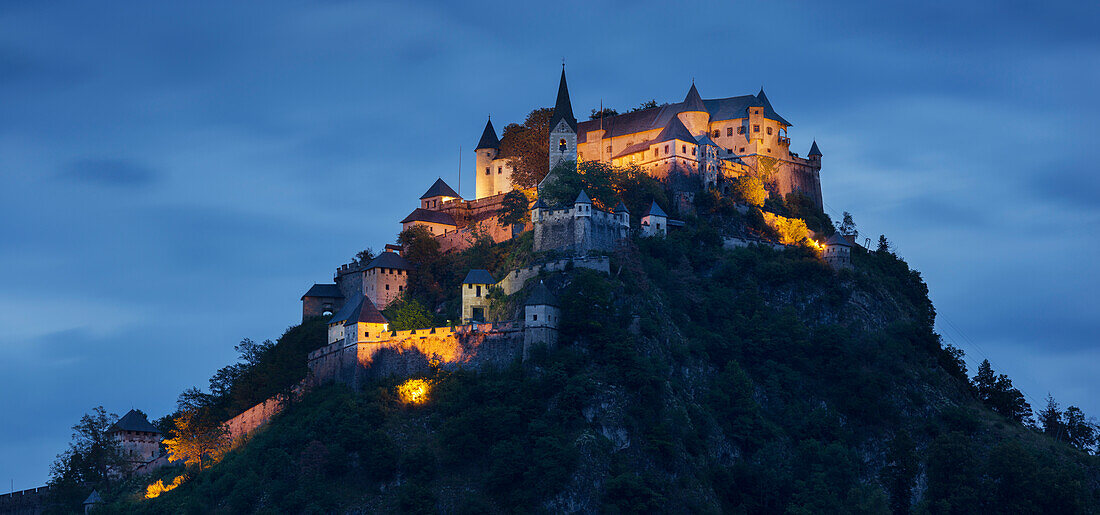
[[500, 169]]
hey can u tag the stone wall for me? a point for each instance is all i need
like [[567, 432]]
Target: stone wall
[[516, 279], [315, 306], [24, 502], [245, 423], [560, 229], [407, 353]]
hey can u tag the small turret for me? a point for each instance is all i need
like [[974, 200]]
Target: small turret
[[582, 207], [540, 319], [623, 214], [475, 289], [815, 153], [693, 113], [654, 221], [488, 148]]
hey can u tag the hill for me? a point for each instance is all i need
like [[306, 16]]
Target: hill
[[694, 378]]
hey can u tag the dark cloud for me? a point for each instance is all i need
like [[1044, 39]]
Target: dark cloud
[[119, 173]]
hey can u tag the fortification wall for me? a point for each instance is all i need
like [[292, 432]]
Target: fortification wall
[[406, 353], [24, 502], [560, 229], [254, 417], [516, 279]]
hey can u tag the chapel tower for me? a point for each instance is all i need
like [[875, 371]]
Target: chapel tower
[[488, 148], [563, 127]]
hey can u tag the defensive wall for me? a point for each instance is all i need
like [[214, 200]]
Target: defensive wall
[[563, 229], [24, 502], [515, 280], [407, 353]]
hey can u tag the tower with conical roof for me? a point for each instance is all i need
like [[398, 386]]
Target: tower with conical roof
[[693, 113], [488, 149], [563, 127]]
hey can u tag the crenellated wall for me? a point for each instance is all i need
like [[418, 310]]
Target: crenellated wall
[[516, 279]]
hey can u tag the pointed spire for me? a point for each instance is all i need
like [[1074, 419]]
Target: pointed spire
[[693, 102], [583, 198], [654, 210], [488, 137], [814, 151], [621, 208], [563, 109]]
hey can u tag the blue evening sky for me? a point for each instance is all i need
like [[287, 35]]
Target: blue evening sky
[[174, 175]]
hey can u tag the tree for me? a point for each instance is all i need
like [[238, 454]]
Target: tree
[[750, 190], [513, 209], [848, 226], [1050, 420], [645, 105], [423, 252], [603, 113], [92, 458], [902, 465], [997, 392], [883, 244], [527, 147], [364, 256], [1080, 433], [408, 314], [198, 438]]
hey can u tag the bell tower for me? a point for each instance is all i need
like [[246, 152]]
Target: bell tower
[[488, 148], [563, 127]]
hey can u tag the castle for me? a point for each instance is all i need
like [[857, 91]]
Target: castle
[[693, 142]]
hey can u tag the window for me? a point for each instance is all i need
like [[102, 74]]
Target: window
[[756, 128], [387, 287], [769, 131], [729, 150], [486, 170], [729, 131], [742, 150], [656, 152], [769, 151], [683, 149], [469, 286], [741, 129], [499, 170], [693, 151], [534, 318], [666, 150], [609, 149], [561, 145], [477, 293], [716, 133]]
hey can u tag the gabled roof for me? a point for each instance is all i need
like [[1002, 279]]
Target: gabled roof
[[705, 140], [488, 137], [814, 151], [389, 259], [693, 102], [93, 498], [541, 296], [324, 290], [365, 312], [655, 118], [424, 215], [439, 189], [621, 208], [479, 276], [675, 130], [837, 239], [344, 313], [563, 109], [654, 210], [133, 420], [582, 198]]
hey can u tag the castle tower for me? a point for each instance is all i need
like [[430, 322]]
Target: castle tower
[[475, 291], [138, 439], [815, 154], [623, 215], [540, 319], [694, 114], [582, 224], [563, 127], [654, 221], [488, 148], [385, 278], [837, 252]]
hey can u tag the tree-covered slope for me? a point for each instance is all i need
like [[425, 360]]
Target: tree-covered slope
[[693, 379]]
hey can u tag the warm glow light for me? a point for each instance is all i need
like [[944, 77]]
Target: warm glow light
[[414, 391], [159, 487]]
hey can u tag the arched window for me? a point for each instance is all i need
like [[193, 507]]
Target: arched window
[[561, 145]]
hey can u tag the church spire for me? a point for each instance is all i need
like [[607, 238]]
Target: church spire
[[563, 109], [488, 137]]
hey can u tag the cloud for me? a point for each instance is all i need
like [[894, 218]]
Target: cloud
[[108, 172]]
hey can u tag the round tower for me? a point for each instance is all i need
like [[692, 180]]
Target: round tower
[[488, 148], [693, 113]]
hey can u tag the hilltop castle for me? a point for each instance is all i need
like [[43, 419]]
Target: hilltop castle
[[707, 142]]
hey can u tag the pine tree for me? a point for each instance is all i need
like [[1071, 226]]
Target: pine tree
[[1050, 419]]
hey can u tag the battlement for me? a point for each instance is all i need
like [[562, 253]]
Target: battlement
[[350, 268]]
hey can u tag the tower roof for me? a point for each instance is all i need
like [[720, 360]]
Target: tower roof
[[133, 421], [324, 290], [654, 210], [365, 312], [675, 130], [563, 109], [693, 102], [426, 215], [479, 276], [705, 140], [582, 198], [814, 151], [621, 208], [93, 498], [440, 189], [541, 296], [488, 137], [837, 239], [389, 259], [539, 204], [769, 112]]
